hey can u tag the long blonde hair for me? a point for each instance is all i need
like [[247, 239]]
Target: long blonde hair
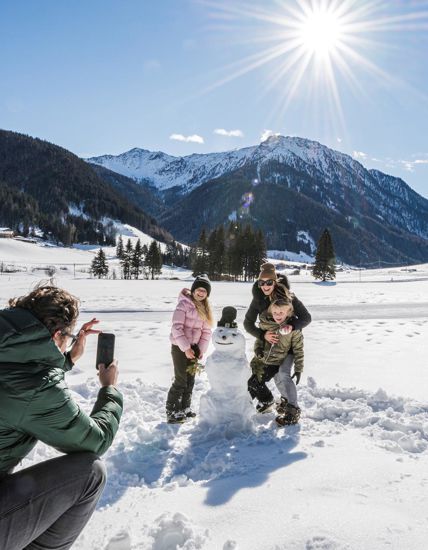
[[281, 292], [204, 309]]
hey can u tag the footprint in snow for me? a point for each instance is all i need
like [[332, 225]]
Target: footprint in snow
[[121, 541]]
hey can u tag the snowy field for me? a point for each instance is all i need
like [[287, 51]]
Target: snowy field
[[353, 475]]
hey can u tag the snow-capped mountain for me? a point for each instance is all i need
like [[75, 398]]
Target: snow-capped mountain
[[307, 186], [166, 171]]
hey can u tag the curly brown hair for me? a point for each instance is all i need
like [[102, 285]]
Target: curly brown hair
[[56, 308]]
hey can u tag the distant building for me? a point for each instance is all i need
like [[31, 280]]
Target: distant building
[[6, 233]]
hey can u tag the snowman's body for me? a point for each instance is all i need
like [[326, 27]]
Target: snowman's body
[[227, 403]]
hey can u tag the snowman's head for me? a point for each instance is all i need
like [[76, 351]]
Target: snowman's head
[[229, 340]]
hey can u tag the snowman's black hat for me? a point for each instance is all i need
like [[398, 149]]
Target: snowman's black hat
[[228, 317]]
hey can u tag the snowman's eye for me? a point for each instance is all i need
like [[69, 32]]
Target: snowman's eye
[[234, 334]]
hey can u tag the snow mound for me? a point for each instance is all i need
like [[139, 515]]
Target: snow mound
[[175, 532], [121, 541], [149, 453], [397, 424]]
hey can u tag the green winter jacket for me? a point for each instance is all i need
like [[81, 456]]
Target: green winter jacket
[[35, 402], [275, 355]]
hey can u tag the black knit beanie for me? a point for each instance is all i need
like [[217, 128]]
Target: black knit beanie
[[201, 281]]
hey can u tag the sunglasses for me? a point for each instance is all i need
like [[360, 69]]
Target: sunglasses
[[267, 282]]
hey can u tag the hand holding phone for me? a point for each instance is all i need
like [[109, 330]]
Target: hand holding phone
[[108, 375], [105, 349]]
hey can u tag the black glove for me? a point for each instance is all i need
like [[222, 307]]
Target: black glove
[[297, 376], [196, 350], [259, 353]]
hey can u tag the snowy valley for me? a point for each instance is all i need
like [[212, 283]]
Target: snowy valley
[[352, 475]]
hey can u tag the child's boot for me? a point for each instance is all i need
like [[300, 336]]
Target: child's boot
[[264, 407], [189, 413], [281, 407], [175, 417], [290, 417]]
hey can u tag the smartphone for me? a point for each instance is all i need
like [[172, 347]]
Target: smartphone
[[105, 349]]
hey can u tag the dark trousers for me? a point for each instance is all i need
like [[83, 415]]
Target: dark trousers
[[180, 393], [257, 386], [47, 505]]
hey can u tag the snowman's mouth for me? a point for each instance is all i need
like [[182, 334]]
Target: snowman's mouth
[[224, 343]]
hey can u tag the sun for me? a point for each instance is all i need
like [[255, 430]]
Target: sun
[[321, 32], [312, 48]]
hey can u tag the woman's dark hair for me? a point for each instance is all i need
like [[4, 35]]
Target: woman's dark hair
[[56, 308]]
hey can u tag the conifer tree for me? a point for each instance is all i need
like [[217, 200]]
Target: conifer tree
[[229, 241], [119, 248], [325, 258], [257, 254], [99, 265], [211, 255], [137, 260], [201, 261], [126, 260], [154, 259], [219, 252], [236, 252]]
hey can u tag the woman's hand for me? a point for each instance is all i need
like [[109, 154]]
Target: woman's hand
[[78, 348], [286, 329], [297, 376], [190, 354], [271, 337]]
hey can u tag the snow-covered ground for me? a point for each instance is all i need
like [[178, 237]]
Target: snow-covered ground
[[353, 475]]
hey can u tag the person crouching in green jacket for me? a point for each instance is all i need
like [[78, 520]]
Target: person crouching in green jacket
[[268, 358], [47, 505]]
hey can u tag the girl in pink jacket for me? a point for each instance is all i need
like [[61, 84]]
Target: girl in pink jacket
[[190, 336]]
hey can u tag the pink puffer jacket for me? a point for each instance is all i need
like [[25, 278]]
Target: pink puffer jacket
[[187, 327]]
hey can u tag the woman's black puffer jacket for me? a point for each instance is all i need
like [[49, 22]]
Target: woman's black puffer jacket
[[261, 302]]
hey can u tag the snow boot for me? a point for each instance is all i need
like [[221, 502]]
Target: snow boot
[[264, 407], [189, 413], [281, 407], [175, 417], [291, 416]]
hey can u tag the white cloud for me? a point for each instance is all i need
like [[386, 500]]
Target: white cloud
[[267, 134], [410, 165], [359, 155], [187, 139], [228, 133], [339, 140]]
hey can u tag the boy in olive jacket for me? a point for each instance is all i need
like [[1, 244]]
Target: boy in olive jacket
[[48, 504], [268, 358]]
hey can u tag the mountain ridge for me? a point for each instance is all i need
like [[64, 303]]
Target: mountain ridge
[[66, 198]]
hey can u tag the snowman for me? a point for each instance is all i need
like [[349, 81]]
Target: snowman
[[227, 404]]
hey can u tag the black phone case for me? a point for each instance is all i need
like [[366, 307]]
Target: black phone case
[[105, 349]]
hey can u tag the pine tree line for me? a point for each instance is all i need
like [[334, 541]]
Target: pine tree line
[[233, 253], [134, 260]]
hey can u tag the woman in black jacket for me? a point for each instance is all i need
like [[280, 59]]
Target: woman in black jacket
[[267, 288]]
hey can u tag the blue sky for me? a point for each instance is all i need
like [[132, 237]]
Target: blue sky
[[101, 77]]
